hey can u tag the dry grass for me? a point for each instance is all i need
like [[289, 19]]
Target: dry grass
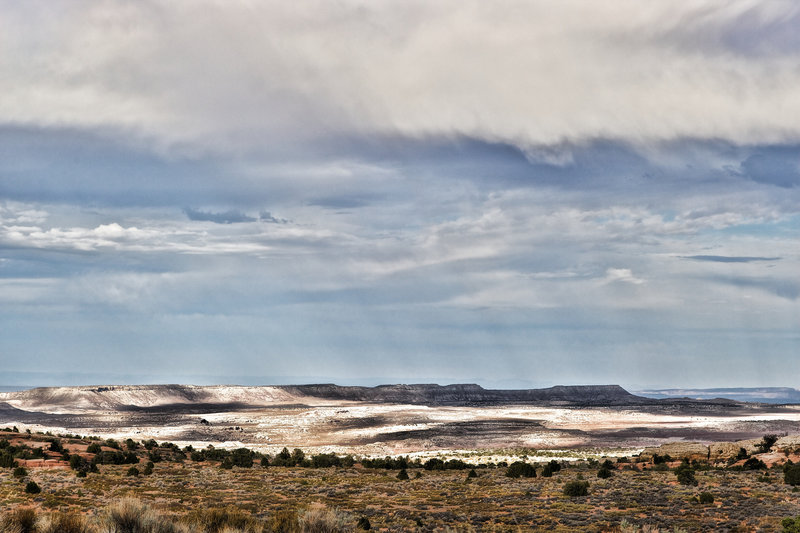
[[200, 497], [321, 520]]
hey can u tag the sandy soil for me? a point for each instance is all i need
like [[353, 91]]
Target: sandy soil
[[389, 429]]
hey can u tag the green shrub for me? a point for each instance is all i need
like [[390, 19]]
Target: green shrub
[[433, 463], [242, 457], [472, 474], [32, 488], [81, 465], [108, 457], [325, 460], [742, 454], [706, 498], [94, 448], [520, 469], [363, 523], [791, 474], [660, 459], [298, 456], [604, 473], [576, 488], [685, 474], [754, 463], [791, 525], [133, 471], [767, 441], [7, 460], [20, 472], [402, 475], [284, 458]]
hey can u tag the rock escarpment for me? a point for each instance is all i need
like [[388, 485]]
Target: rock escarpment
[[474, 395], [719, 451]]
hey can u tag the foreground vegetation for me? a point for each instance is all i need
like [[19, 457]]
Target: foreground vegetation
[[90, 485]]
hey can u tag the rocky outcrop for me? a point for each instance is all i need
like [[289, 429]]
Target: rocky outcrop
[[475, 395], [719, 451], [693, 451], [789, 444], [722, 451]]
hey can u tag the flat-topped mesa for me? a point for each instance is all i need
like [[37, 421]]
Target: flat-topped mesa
[[472, 394], [126, 397], [221, 397], [579, 395]]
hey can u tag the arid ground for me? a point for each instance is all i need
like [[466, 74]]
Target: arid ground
[[181, 486], [269, 418]]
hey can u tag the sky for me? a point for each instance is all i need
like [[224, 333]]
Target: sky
[[518, 194]]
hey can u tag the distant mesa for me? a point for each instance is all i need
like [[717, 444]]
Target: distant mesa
[[774, 395], [200, 399], [472, 394]]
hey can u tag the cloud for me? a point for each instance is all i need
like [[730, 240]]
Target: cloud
[[341, 202], [529, 74], [622, 275], [548, 180], [729, 259], [779, 165], [105, 236], [226, 217], [788, 289], [266, 216]]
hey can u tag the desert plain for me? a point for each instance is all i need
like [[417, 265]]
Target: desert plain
[[455, 446]]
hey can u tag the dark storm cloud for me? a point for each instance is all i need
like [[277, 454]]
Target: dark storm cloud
[[98, 167], [778, 165], [783, 288], [226, 217], [101, 167], [341, 202], [729, 259], [266, 216]]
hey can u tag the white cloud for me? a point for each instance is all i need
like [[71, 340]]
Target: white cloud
[[240, 75], [622, 274]]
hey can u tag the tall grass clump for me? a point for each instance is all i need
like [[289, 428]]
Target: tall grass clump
[[228, 520], [322, 520], [64, 523], [21, 520], [132, 516]]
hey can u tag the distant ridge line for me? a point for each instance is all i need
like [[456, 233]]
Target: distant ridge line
[[237, 397]]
